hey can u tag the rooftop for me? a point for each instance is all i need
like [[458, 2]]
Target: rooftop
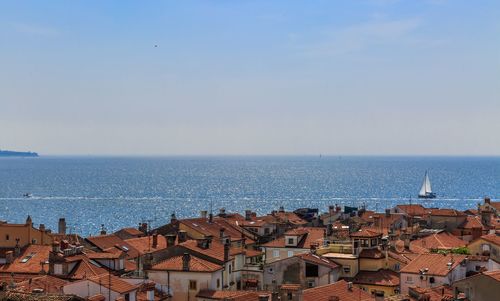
[[338, 289], [380, 277], [196, 264], [433, 264]]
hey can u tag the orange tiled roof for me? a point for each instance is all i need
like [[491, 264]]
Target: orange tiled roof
[[446, 212], [85, 269], [49, 284], [380, 277], [315, 259], [413, 210], [215, 251], [203, 226], [438, 293], [338, 289], [145, 244], [472, 222], [107, 242], [492, 238], [436, 263], [231, 295], [289, 217], [131, 231], [365, 232], [114, 283], [196, 264], [436, 241], [373, 253], [314, 235], [29, 261], [98, 297]]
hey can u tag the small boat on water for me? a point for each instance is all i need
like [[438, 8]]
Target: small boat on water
[[426, 190], [27, 195]]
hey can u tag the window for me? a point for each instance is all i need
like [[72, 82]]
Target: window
[[276, 253], [289, 296], [397, 267], [310, 284], [311, 270], [127, 297], [230, 269], [7, 237], [290, 241], [266, 230], [347, 269], [409, 279], [192, 285], [290, 253], [218, 282]]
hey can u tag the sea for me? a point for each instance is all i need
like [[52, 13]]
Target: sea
[[117, 192]]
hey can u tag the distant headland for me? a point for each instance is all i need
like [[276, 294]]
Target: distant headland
[[6, 153]]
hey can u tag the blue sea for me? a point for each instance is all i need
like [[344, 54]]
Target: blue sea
[[120, 192]]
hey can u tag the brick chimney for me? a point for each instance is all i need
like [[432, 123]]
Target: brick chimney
[[186, 258], [203, 213], [173, 218], [9, 257], [487, 200], [222, 212], [155, 240], [61, 226], [222, 235], [42, 227], [182, 236], [170, 240], [226, 252], [17, 248], [248, 215], [103, 230], [388, 212]]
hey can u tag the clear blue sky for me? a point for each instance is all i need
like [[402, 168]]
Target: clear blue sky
[[250, 77]]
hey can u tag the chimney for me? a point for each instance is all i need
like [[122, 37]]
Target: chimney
[[150, 291], [329, 229], [407, 241], [486, 217], [349, 286], [173, 219], [9, 257], [222, 212], [103, 230], [203, 213], [248, 215], [42, 227], [337, 208], [56, 247], [29, 221], [487, 200], [185, 261], [17, 249], [182, 236], [226, 252], [170, 240], [155, 240], [221, 234], [61, 229], [331, 209], [148, 261], [143, 227], [282, 209], [388, 212]]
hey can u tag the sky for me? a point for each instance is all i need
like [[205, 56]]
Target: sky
[[364, 77]]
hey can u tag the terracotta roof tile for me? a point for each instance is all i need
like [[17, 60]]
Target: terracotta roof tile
[[492, 238], [314, 235], [203, 226], [232, 295], [365, 232], [413, 210], [114, 283], [196, 264], [380, 277], [373, 253], [145, 244], [29, 261], [436, 241], [49, 284], [338, 289], [436, 263], [446, 212], [215, 251], [107, 242], [472, 222], [315, 259]]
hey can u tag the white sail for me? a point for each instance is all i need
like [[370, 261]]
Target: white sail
[[428, 188], [422, 190]]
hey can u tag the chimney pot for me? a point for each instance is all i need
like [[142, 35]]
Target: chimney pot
[[171, 240], [61, 229], [182, 236], [203, 213], [155, 240], [487, 200], [226, 252], [186, 258], [9, 257]]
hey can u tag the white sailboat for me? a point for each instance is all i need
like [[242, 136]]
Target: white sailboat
[[426, 190]]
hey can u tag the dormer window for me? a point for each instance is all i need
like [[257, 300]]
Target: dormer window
[[290, 241]]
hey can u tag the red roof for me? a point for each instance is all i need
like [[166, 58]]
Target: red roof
[[492, 238], [413, 209], [49, 284], [437, 264], [195, 265], [205, 227], [380, 277], [319, 260], [365, 232], [114, 283], [232, 295], [215, 251], [145, 244], [446, 212], [312, 235], [472, 222], [29, 261], [106, 242], [436, 241], [338, 289]]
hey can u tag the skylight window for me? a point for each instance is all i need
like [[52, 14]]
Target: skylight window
[[27, 258], [124, 248]]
